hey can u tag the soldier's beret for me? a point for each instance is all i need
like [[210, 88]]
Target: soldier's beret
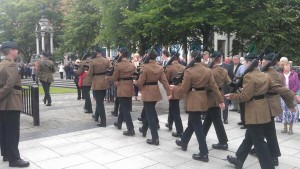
[[205, 53], [195, 53], [215, 54], [152, 53], [8, 44], [250, 56], [99, 50], [269, 56], [175, 54], [124, 50]]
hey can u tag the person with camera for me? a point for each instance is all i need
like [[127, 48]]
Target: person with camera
[[10, 106], [45, 72]]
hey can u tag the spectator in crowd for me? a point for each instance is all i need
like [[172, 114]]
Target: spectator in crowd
[[136, 62], [61, 70], [291, 82]]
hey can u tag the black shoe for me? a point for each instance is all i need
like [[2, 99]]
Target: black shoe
[[158, 126], [170, 127], [233, 160], [240, 123], [113, 113], [220, 146], [199, 157], [129, 133], [101, 124], [48, 104], [176, 134], [275, 161], [153, 142], [243, 127], [119, 126], [85, 111], [44, 100], [225, 121], [140, 119], [78, 98], [233, 110], [180, 144], [19, 163], [252, 152], [143, 132], [5, 159]]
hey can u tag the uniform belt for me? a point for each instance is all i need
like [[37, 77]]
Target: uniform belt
[[125, 78], [211, 90], [197, 89], [150, 83], [259, 97], [271, 94], [15, 87], [98, 74]]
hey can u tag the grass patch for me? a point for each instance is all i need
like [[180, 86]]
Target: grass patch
[[56, 90]]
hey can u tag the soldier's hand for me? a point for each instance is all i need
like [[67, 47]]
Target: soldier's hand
[[222, 106], [135, 82], [170, 97], [227, 96], [172, 87], [116, 83]]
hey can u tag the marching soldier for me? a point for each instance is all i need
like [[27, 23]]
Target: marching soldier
[[122, 76], [45, 72], [86, 83], [213, 114], [193, 85], [97, 70], [256, 85], [148, 85], [10, 106], [174, 110]]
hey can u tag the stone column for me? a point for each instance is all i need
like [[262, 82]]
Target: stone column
[[43, 40], [37, 43], [51, 43]]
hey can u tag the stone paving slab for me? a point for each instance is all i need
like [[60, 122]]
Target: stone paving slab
[[101, 148]]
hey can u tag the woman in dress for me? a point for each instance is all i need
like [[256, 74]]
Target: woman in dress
[[292, 82]]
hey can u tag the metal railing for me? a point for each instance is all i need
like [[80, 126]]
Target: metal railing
[[30, 97]]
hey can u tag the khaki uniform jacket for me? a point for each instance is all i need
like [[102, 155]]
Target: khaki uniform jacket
[[44, 72], [222, 79], [171, 72], [152, 72], [99, 65], [124, 69], [274, 100], [256, 83], [10, 98], [198, 76], [87, 80]]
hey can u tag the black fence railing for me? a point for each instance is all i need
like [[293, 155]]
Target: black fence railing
[[111, 93], [30, 97]]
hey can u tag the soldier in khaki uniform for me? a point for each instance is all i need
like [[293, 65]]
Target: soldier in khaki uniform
[[45, 72], [124, 82], [213, 114], [10, 106], [275, 108], [256, 85], [97, 70], [172, 71], [193, 86], [148, 85], [86, 83]]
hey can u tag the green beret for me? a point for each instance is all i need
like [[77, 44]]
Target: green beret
[[269, 56], [215, 54], [250, 56], [195, 53], [152, 53], [8, 44]]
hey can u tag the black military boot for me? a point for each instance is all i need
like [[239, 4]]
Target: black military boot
[[181, 144], [236, 162], [153, 142], [129, 132]]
